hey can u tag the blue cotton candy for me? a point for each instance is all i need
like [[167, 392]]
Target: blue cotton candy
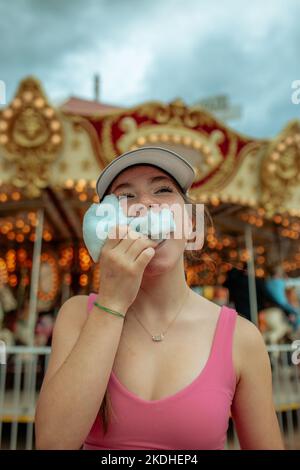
[[101, 217]]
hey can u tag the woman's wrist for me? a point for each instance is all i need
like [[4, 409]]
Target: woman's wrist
[[109, 310], [111, 303]]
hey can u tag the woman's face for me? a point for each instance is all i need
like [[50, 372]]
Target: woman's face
[[148, 185]]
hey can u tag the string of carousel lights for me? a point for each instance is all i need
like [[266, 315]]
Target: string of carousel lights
[[290, 229], [83, 189], [230, 257], [21, 227]]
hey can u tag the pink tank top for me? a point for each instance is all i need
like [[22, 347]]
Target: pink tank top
[[195, 417]]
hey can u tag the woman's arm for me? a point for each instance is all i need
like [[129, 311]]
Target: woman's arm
[[84, 347], [253, 409], [82, 356]]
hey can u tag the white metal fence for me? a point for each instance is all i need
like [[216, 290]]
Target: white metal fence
[[21, 378]]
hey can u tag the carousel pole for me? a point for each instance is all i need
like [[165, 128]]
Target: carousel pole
[[251, 275], [36, 262]]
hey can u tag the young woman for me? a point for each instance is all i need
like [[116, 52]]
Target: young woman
[[114, 383]]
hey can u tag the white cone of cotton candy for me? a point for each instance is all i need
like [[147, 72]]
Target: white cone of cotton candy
[[156, 225], [97, 222], [101, 218], [89, 231]]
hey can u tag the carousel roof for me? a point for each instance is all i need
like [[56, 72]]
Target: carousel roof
[[50, 157], [81, 107]]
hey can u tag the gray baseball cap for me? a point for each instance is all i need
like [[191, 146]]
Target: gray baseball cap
[[177, 166]]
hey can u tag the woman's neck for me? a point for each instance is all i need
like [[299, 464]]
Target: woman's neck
[[160, 296]]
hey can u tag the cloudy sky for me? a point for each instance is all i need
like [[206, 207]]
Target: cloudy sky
[[159, 50]]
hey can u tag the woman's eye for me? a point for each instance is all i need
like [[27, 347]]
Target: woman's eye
[[162, 189], [165, 189], [124, 195]]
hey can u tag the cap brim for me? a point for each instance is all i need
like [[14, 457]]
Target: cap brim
[[179, 168]]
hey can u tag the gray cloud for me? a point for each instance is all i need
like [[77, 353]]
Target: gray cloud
[[156, 49]]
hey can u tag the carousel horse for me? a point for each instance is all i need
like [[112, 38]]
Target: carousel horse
[[274, 325], [7, 304]]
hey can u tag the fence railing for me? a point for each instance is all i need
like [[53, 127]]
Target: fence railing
[[20, 380], [22, 375]]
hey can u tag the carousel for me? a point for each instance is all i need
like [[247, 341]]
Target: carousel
[[50, 158]]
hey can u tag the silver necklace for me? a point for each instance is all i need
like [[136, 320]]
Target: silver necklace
[[160, 336]]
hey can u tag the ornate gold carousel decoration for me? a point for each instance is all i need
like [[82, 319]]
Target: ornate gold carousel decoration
[[50, 158], [31, 137]]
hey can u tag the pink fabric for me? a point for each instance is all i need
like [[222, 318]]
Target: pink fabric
[[196, 417]]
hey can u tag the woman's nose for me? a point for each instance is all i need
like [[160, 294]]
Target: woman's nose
[[140, 208]]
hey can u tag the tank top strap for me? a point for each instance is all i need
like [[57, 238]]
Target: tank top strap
[[91, 299], [223, 338], [221, 365]]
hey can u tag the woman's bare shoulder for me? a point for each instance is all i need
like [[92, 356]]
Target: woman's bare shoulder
[[248, 344], [73, 311], [247, 332], [206, 307], [77, 300]]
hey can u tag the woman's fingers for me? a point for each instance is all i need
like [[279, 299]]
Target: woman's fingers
[[140, 244]]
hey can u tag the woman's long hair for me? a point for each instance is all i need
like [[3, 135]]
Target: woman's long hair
[[106, 406]]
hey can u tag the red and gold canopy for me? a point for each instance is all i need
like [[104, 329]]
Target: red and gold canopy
[[50, 157]]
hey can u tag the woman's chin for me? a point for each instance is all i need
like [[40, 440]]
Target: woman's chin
[[159, 264], [154, 269]]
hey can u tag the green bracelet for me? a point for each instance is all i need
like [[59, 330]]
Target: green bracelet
[[114, 312]]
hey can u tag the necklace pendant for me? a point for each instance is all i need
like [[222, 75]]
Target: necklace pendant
[[159, 337]]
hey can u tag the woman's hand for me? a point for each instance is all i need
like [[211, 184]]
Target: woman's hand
[[123, 260]]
